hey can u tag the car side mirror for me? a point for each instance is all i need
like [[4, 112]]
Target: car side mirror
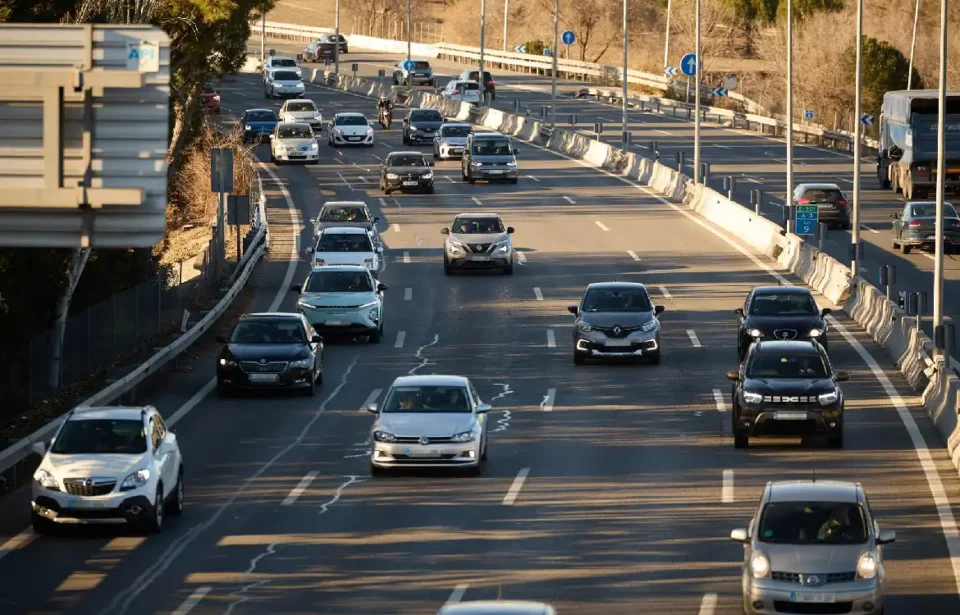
[[574, 309], [296, 288], [308, 250], [825, 311], [431, 164], [378, 249], [316, 339], [511, 230], [444, 231], [659, 309], [313, 220], [739, 312], [894, 216], [841, 376], [221, 339], [734, 376], [377, 218], [270, 137], [516, 151], [739, 535], [382, 287], [40, 448], [885, 537], [483, 408], [372, 408]]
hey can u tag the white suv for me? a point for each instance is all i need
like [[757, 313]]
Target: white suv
[[346, 245], [108, 465]]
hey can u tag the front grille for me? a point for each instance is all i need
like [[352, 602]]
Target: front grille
[[798, 608], [273, 367], [785, 334], [833, 577], [97, 486], [335, 307], [610, 332], [479, 248], [416, 440], [790, 399]]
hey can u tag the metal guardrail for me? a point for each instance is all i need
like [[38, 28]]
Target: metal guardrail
[[15, 453]]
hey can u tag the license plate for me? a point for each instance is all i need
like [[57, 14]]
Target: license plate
[[85, 503], [410, 183], [295, 156], [790, 416], [479, 258], [264, 377], [618, 343], [335, 323], [495, 172], [818, 598], [424, 453]]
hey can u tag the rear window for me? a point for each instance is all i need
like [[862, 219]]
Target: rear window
[[929, 210], [285, 75], [470, 86], [429, 115], [474, 74], [823, 195], [343, 242], [344, 214], [420, 64], [455, 131]]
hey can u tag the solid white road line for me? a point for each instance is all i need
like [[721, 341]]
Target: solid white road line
[[693, 338], [297, 491], [720, 401], [476, 200], [192, 601], [449, 179], [633, 255], [665, 292], [401, 336], [752, 180], [664, 132], [362, 179], [407, 294], [537, 293], [547, 404], [396, 228], [870, 229], [533, 178], [19, 541], [371, 398], [551, 339], [383, 202], [709, 604], [406, 257], [726, 490], [930, 256], [515, 488], [569, 200], [521, 257], [457, 594], [600, 224], [722, 146], [377, 157]]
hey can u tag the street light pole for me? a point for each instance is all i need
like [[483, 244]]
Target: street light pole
[[483, 33], [696, 124], [913, 44], [788, 196], [626, 120], [858, 137], [506, 11], [336, 48], [263, 38], [941, 173], [556, 38], [409, 27], [666, 38]]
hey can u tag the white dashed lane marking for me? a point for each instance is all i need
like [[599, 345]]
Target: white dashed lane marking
[[601, 225]]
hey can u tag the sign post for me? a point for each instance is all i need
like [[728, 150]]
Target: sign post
[[807, 218], [238, 212], [688, 65], [221, 182]]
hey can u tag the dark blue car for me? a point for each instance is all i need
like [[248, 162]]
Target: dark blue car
[[258, 124]]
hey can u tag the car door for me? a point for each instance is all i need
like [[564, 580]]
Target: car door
[[161, 455], [476, 403], [314, 347], [902, 219], [172, 454]]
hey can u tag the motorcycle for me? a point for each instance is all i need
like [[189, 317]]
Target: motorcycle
[[386, 117]]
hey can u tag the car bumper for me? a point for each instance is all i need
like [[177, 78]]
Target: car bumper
[[450, 151], [330, 322], [400, 184], [400, 455], [498, 173], [834, 215], [288, 93], [767, 597], [421, 137], [928, 240], [291, 379], [353, 140], [297, 156], [599, 346], [461, 260], [114, 508], [415, 79], [776, 422]]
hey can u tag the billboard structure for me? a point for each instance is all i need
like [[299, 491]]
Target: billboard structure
[[84, 131]]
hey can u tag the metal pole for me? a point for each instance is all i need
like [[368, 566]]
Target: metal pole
[[788, 196], [941, 173], [506, 11], [913, 45], [483, 32], [556, 38], [626, 119], [696, 130], [263, 37], [409, 23], [666, 38], [336, 49], [855, 223]]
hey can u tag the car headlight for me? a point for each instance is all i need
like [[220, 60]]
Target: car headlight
[[46, 480], [384, 436], [307, 304], [503, 247], [867, 566], [137, 479], [392, 176], [828, 398], [428, 176], [815, 332], [759, 565], [583, 326], [649, 326], [227, 363], [754, 332], [511, 164], [302, 363], [248, 127], [318, 118], [476, 164], [412, 127], [216, 98], [369, 131], [339, 131], [313, 146], [466, 436], [752, 398]]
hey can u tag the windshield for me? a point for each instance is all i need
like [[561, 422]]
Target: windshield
[[492, 147], [469, 85], [296, 131], [352, 120], [930, 211], [261, 116], [426, 116], [420, 65], [92, 436], [285, 75], [338, 282], [769, 365], [269, 331], [455, 131], [783, 305], [477, 226], [427, 399], [617, 300], [285, 62], [475, 73], [344, 214], [301, 105], [807, 523], [823, 195], [406, 160], [341, 242]]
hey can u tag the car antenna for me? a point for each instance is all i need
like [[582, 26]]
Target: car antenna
[[814, 476]]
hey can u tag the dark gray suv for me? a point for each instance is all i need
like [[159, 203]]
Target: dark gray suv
[[489, 156]]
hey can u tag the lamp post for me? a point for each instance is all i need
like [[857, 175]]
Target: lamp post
[[626, 120], [696, 124], [336, 41], [788, 196], [556, 37], [506, 12], [913, 44], [666, 38], [483, 33], [409, 24], [941, 172], [858, 137]]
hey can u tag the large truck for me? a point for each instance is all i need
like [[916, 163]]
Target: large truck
[[907, 160]]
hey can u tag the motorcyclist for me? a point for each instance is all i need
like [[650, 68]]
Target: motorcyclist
[[384, 104]]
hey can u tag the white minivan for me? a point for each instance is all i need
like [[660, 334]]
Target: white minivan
[[463, 91]]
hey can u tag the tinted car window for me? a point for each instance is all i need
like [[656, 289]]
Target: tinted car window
[[341, 242], [492, 147], [287, 63], [406, 160], [352, 120], [477, 226], [820, 195], [421, 64], [261, 116], [470, 86], [616, 300], [285, 75], [338, 282], [929, 210], [808, 523], [773, 365], [783, 305], [272, 331], [344, 214], [301, 105], [437, 399], [295, 132], [426, 116], [455, 131], [88, 437], [475, 73]]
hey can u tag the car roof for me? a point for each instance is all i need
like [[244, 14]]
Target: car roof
[[430, 380], [498, 607], [786, 346], [350, 114], [282, 124], [817, 490], [457, 124], [425, 109], [343, 204], [350, 268], [281, 58], [488, 135], [299, 100], [820, 187], [344, 230], [926, 203], [270, 316], [132, 413], [616, 285], [404, 153], [782, 290], [261, 109], [473, 81], [477, 214]]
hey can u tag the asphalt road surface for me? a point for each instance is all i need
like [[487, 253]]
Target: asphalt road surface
[[610, 488]]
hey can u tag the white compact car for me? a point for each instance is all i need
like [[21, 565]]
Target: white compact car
[[429, 421], [343, 300], [283, 84], [302, 111], [350, 129], [293, 143], [109, 465], [463, 91], [346, 246]]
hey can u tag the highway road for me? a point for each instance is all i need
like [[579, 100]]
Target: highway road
[[610, 488]]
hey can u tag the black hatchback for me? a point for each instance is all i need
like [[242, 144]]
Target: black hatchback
[[406, 172], [782, 313], [421, 126]]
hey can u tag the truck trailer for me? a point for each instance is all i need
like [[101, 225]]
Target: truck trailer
[[907, 160]]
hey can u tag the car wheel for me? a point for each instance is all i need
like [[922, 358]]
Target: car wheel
[[377, 471], [376, 336], [835, 440], [175, 505], [463, 174], [471, 179], [406, 141], [476, 470], [224, 390], [320, 375], [483, 453], [386, 191], [579, 358], [514, 180], [508, 270], [311, 390], [429, 190], [273, 158], [42, 525], [655, 358], [155, 523], [893, 243], [436, 156], [740, 440], [904, 248]]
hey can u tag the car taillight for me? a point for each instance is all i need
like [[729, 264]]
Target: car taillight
[[368, 260], [319, 262], [803, 201], [490, 82], [843, 202], [456, 92], [915, 224]]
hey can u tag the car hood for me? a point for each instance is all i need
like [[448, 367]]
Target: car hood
[[303, 115], [354, 131], [430, 424], [613, 319], [267, 352], [288, 82], [409, 170], [789, 386], [812, 559], [298, 142], [262, 123], [341, 300], [461, 141], [344, 258], [769, 324], [490, 159], [96, 465], [425, 125], [478, 238]]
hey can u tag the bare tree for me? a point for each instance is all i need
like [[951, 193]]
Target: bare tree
[[719, 29], [373, 16]]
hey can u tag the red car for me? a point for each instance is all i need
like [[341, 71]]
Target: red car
[[211, 99]]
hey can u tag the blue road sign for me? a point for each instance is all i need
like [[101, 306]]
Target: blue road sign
[[807, 218], [689, 64], [408, 65], [808, 114], [866, 119], [568, 37], [520, 49], [546, 51], [720, 91], [670, 71]]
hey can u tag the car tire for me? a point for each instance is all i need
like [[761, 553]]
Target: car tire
[[655, 358], [904, 248], [386, 191], [319, 379], [436, 156], [224, 390], [463, 174], [375, 336], [155, 523], [579, 358], [740, 440], [483, 450], [406, 141], [311, 390], [835, 440], [514, 180], [475, 471], [376, 471], [175, 505], [893, 243], [508, 270], [42, 525], [429, 190], [471, 179]]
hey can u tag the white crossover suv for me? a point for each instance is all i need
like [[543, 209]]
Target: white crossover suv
[[109, 465], [346, 245]]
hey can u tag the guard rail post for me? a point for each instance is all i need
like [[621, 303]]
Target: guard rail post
[[598, 129], [680, 161], [516, 105], [730, 183], [943, 338], [822, 230], [888, 277], [626, 136], [705, 172], [573, 119]]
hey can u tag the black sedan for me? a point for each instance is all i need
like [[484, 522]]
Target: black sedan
[[406, 171], [421, 126], [787, 389], [916, 227], [780, 313], [272, 351]]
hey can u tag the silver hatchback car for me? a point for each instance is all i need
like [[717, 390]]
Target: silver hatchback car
[[813, 547]]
